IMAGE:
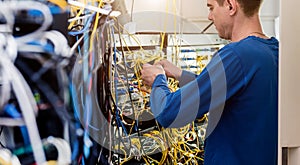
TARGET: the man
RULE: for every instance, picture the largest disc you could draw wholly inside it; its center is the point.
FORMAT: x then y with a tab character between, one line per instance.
238	88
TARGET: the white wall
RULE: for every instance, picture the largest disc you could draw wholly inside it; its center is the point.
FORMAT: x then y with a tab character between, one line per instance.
289	75
289	80
192	15
269	11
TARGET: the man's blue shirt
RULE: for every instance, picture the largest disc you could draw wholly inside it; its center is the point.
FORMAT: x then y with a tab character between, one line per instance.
239	89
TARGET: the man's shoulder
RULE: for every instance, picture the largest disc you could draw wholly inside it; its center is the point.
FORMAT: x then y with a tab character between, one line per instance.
239	44
249	44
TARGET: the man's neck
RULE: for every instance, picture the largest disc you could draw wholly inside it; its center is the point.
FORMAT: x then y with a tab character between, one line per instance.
245	27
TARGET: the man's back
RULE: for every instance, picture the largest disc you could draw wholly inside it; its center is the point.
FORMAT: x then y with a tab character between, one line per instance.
247	130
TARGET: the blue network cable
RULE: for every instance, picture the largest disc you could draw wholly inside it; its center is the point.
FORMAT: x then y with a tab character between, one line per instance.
11	111
118	119
85	28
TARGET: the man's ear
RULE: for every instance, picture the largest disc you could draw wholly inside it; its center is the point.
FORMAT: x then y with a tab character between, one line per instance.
232	6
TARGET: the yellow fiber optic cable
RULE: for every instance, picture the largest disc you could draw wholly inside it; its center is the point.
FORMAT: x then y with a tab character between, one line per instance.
95	27
62	4
73	22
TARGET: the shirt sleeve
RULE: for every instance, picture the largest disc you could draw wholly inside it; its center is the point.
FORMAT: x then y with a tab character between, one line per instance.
186	77
219	81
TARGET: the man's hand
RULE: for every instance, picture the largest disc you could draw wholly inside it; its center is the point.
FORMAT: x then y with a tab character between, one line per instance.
149	73
170	69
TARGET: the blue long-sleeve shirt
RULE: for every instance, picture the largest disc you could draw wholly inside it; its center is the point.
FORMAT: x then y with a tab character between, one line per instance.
239	89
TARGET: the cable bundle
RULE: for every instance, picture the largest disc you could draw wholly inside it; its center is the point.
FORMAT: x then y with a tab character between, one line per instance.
35	104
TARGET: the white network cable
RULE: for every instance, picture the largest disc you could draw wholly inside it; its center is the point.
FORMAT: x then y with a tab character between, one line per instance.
108	1
5	85
9	18
96	9
25	99
32	5
63	149
60	43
